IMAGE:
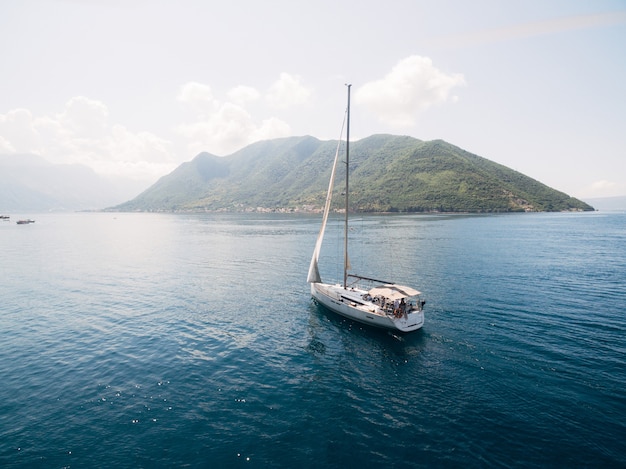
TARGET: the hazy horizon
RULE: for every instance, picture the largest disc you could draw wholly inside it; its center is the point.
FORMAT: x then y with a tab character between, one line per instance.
139	88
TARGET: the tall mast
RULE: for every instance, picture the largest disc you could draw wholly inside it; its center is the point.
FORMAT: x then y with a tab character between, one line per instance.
346	261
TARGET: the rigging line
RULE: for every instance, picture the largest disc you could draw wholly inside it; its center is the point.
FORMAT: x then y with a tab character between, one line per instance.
329	193
339	264
314	275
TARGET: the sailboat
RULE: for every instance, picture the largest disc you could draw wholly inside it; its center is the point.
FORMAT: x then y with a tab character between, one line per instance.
378	303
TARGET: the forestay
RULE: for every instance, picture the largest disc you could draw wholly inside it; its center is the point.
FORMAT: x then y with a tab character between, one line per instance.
314	273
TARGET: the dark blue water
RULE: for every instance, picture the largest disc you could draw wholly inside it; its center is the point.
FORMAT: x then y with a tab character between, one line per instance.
140	340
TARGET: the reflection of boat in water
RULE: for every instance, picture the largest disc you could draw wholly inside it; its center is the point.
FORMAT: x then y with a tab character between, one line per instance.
369	301
25	222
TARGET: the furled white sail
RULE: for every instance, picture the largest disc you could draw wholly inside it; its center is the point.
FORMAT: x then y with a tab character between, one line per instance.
314	273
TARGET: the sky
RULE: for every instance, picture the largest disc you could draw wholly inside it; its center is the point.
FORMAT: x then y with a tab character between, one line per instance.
134	88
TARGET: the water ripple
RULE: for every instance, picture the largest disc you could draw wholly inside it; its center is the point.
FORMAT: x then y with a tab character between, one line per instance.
151	340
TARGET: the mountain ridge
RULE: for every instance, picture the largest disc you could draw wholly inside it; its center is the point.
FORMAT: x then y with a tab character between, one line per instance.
30	183
388	173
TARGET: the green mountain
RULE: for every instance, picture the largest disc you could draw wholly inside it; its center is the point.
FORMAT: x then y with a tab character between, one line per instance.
387	174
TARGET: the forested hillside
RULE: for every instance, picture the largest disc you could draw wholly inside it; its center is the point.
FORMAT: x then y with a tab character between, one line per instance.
387	173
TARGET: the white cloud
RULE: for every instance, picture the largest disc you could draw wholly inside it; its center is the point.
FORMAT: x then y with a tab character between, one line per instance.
229	126
85	117
194	92
287	91
142	146
199	98
17	131
222	131
412	86
243	94
270	128
5	146
228	129
82	134
141	154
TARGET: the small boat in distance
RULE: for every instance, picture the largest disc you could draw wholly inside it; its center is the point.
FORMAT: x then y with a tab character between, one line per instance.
25	222
4	217
378	303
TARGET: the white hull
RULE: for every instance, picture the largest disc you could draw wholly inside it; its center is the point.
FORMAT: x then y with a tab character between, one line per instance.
350	303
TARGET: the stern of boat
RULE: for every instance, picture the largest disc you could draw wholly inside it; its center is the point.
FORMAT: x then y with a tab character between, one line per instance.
411	322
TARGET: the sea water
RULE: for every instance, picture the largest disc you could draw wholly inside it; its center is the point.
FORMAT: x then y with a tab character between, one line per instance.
170	340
